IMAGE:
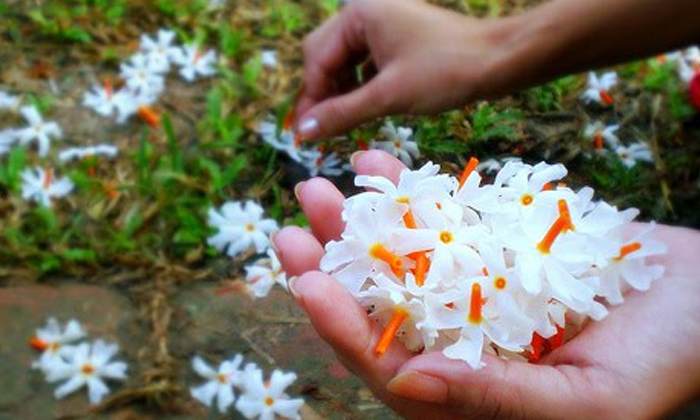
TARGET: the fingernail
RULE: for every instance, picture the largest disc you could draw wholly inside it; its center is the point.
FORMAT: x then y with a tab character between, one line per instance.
291	282
308	127
419	386
297	189
355	156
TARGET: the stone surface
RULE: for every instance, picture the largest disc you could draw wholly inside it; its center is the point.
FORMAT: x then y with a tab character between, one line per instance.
274	333
103	313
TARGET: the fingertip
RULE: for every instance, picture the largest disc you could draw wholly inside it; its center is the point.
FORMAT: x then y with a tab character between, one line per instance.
378	163
297	250
323	205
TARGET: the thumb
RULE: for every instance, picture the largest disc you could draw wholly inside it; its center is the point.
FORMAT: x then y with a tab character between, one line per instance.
339	114
502	389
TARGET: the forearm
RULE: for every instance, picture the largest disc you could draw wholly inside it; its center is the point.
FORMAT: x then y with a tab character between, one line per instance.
567	36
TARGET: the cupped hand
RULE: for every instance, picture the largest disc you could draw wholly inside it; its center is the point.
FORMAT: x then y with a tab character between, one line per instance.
416	58
640	362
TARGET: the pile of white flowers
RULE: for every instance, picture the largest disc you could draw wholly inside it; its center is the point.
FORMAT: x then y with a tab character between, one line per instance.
259	399
144	76
455	266
79	365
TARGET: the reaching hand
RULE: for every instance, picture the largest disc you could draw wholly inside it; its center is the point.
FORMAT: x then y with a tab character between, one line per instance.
418	59
640	362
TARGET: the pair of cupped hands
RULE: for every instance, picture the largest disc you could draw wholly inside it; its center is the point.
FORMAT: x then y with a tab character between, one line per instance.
642	361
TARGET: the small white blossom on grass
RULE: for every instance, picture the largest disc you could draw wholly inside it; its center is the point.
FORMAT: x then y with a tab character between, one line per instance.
268	58
194	62
262	275
160	51
8	101
265	400
54	341
637	152
286	141
598	89
398	142
142	76
220	382
316	162
38	129
106	150
601	135
104	101
40	185
87	366
240	226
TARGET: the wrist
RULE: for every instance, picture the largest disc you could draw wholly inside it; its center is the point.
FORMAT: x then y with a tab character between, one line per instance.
529	52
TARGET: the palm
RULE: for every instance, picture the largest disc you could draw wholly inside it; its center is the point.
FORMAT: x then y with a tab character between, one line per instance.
641	348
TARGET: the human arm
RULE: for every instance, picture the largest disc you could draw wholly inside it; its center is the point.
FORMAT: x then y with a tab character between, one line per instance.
425	59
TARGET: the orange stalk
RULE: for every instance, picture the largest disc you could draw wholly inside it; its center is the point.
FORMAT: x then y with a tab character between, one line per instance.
598	142
628	249
471	165
557	339
390	330
48	178
38	344
537	344
475	304
108	88
547	187
422	266
379	252
149	116
557	228
606	97
565	214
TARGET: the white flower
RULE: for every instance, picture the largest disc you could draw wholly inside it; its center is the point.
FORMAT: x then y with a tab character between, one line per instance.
398	142
159	52
268	58
107	150
220	382
8	101
264	401
7	139
637	152
104	101
142	76
194	62
240	227
316	162
598	89
600	134
375	243
262	275
629	267
286	141
39	130
54	341
87	365
41	186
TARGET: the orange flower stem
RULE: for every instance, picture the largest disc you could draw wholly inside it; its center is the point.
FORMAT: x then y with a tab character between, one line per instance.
390	330
475	304
471	165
